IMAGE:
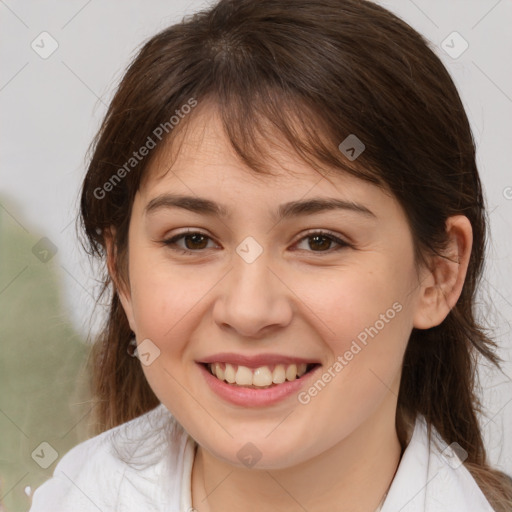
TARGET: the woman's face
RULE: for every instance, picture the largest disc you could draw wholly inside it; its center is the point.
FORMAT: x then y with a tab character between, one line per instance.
265	290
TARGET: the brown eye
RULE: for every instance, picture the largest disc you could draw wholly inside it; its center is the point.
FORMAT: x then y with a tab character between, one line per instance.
193	241
321	242
196	241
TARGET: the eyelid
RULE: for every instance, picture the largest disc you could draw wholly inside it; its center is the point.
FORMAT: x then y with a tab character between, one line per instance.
334	237
190	231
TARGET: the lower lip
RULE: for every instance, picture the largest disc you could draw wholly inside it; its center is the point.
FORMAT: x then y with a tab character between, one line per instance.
250	397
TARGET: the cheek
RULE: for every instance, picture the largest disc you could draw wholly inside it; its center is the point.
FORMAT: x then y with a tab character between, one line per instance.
166	305
359	304
164	298
365	318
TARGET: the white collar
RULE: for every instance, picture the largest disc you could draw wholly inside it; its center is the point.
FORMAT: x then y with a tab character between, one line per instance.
429	478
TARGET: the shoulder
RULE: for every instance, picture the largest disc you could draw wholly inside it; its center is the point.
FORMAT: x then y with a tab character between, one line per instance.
432	477
118	468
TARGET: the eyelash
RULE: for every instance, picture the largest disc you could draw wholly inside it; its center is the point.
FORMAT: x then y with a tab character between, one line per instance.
330	236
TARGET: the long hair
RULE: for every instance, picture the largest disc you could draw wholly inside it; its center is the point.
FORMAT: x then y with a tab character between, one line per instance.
316	71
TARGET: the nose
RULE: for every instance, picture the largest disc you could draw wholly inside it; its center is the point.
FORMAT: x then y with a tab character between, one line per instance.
253	300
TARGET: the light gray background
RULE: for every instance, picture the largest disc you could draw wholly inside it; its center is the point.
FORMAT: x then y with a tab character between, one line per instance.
51	109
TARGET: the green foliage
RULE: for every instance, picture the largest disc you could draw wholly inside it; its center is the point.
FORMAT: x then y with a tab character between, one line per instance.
43	387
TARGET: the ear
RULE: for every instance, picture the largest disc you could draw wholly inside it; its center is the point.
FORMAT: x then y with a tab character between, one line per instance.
119	286
441	285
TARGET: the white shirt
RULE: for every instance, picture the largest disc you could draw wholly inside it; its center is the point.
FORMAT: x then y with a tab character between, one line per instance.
145	465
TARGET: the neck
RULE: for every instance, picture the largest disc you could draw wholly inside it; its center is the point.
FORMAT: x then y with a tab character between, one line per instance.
356	473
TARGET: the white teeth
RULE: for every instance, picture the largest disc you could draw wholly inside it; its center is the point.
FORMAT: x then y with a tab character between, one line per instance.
243	376
229	374
291	372
279	374
219	371
262	377
259	377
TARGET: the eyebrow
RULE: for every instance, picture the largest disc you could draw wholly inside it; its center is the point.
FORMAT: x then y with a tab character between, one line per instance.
285	210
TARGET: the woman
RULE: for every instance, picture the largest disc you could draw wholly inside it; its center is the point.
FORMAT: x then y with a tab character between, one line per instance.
286	197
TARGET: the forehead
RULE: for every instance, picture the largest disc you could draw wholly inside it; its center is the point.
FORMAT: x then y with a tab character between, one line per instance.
200	160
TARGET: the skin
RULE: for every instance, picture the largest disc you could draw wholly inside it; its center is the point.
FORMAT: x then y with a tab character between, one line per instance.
297	298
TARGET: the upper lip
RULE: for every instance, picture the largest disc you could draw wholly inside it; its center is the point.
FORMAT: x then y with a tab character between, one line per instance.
255	361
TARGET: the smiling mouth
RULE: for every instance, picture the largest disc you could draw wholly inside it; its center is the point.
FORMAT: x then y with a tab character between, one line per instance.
258	378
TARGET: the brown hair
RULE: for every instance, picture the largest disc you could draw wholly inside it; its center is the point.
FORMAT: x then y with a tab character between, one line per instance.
316	71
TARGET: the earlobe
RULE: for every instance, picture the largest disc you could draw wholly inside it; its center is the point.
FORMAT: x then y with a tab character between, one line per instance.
441	286
123	294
